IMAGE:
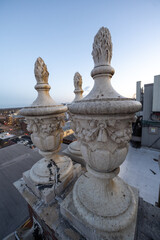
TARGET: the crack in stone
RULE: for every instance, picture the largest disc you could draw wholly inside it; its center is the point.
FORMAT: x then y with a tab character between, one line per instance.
43	186
49	166
57	177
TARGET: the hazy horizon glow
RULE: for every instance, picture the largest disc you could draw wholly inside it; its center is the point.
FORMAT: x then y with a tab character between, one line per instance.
62	33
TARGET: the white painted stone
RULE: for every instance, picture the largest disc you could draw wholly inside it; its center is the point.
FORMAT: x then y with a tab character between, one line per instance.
43	169
48	215
74	148
76	157
103	125
78	87
90	232
45	120
47	193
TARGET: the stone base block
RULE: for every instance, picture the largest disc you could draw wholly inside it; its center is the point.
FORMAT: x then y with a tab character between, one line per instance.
74	157
48	192
69	212
48	216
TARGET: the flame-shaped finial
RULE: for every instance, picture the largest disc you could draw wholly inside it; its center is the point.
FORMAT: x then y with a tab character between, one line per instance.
78	86
77	81
102	47
40	71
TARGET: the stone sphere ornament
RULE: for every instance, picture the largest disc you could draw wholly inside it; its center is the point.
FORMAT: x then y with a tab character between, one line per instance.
44	120
103	125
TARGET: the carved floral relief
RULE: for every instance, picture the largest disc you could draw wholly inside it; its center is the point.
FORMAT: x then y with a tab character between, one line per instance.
45	127
101	130
47	134
104	142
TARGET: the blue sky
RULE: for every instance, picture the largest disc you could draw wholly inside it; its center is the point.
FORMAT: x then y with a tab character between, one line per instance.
62	33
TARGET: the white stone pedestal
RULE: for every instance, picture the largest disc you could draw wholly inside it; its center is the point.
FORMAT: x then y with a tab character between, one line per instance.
48	216
48	192
102	206
77	220
45	120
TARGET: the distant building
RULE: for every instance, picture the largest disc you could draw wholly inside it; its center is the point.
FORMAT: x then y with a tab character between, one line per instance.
6	111
6	139
150	100
68	135
2	119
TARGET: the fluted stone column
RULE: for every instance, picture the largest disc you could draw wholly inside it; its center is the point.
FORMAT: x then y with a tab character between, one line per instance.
74	148
45	120
101	205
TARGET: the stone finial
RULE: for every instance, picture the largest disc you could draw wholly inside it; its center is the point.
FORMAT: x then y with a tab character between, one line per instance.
78	87
40	71
102	47
103	125
42	86
74	148
45	120
77	81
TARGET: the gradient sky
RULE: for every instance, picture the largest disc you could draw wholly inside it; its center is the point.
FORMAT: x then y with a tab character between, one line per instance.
62	33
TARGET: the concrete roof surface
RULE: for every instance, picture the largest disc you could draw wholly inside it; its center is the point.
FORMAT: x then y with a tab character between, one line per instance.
141	170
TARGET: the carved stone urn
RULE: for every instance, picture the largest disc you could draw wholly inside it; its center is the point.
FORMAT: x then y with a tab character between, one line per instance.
74	148
103	125
45	120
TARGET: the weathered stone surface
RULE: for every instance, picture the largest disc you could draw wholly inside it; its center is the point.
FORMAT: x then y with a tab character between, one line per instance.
48	215
47	193
90	232
102	122
74	148
16	159
74	154
45	120
78	87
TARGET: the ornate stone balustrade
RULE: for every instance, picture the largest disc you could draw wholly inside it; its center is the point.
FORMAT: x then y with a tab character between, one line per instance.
101	205
45	120
74	148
